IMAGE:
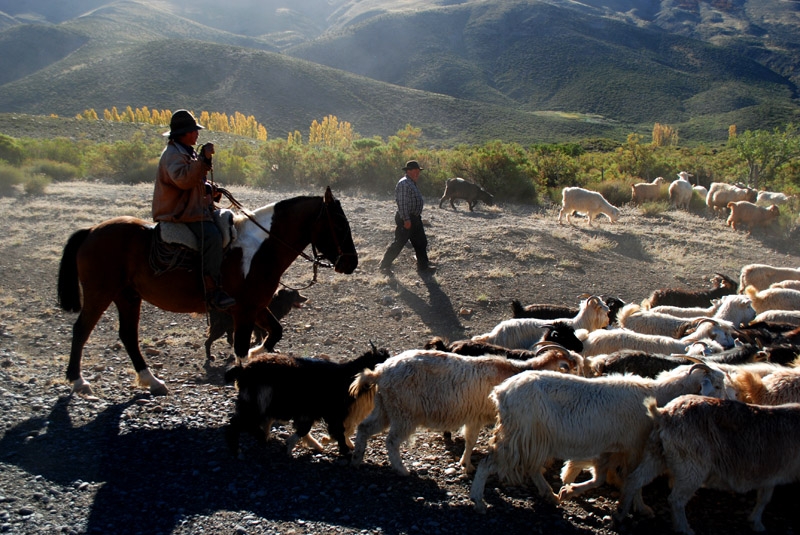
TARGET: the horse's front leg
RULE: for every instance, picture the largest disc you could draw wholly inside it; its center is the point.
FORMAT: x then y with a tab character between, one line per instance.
129	308
242	333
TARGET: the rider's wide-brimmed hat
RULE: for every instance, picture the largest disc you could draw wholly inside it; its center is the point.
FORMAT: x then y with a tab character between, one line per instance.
182	122
412	164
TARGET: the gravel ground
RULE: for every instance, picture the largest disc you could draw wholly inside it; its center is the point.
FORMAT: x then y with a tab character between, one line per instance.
124	462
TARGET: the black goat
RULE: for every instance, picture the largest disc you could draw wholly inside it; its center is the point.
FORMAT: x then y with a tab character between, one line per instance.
678	297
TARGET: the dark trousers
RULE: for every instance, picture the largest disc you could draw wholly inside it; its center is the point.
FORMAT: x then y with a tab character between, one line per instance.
210	239
401	236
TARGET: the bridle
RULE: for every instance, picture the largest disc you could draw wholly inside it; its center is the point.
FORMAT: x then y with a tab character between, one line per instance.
317	260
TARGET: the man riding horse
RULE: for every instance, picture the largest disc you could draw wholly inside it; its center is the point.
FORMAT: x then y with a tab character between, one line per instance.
183	195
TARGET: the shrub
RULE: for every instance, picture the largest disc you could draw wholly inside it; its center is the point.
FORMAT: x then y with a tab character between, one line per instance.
616	192
10	150
654	208
36	183
9	177
57	171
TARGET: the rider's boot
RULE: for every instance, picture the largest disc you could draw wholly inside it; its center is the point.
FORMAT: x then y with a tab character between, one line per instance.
216	297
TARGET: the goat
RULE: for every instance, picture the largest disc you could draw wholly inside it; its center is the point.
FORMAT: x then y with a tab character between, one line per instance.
718	444
720	285
608	341
766	198
522	333
547	311
458	188
542	415
647	191
776	388
221	323
733	310
680	191
791	317
747	214
586	202
280	387
557	332
761	276
773	299
441	391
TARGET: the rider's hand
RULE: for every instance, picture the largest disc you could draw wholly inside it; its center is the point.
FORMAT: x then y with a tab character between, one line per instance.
207	150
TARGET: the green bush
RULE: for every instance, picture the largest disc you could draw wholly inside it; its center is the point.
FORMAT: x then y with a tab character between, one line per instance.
10	150
9	177
57	171
616	192
36	184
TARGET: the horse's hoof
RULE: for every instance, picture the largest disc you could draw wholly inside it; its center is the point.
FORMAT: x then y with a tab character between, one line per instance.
159	390
81	386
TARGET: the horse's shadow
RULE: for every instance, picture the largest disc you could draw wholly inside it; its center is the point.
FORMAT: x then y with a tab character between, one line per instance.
166	476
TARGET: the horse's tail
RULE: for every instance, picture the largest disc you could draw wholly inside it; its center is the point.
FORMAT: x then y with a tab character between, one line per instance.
69	292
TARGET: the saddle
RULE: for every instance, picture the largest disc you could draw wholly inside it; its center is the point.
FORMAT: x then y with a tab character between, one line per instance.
175	246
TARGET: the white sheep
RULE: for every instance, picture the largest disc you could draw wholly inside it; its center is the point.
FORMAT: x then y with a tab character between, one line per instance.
522	333
720	194
680	191
439	391
766	198
542	416
749	215
761	276
647	191
773	299
717	444
586	202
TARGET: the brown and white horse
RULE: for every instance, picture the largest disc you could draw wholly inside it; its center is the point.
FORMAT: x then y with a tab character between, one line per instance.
110	264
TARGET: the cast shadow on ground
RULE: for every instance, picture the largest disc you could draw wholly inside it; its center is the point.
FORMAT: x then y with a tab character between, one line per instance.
437	312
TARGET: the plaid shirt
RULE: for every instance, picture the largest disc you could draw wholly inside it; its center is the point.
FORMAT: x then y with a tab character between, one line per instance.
409	199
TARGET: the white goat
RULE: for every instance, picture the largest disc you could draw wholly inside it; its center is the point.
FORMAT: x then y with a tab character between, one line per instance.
779	387
680	191
608	341
790	317
586	202
773	299
787	285
761	276
733	310
542	415
766	198
702	191
647	191
522	333
439	391
696	441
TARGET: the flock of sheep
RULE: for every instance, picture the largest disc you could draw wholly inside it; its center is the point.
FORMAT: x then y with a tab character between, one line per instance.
748	208
701	385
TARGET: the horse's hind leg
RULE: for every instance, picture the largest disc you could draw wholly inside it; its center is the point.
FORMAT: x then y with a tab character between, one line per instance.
129	307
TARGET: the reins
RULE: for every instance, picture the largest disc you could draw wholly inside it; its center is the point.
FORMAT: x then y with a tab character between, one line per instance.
316	260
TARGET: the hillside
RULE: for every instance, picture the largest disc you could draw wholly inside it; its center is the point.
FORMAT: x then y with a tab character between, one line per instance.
471	71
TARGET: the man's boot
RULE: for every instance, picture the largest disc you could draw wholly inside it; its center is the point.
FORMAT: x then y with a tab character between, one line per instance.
216	297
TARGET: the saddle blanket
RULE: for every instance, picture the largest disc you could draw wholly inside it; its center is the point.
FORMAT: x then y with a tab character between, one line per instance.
178	233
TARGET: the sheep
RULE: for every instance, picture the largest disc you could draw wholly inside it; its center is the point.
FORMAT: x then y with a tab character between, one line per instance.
438	390
747	214
221	323
720	285
521	333
766	198
542	415
458	188
680	191
761	276
773	299
720	194
701	191
647	191
586	202
717	444
791	317
607	341
280	387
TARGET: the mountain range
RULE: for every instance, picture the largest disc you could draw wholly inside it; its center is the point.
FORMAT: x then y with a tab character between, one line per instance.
464	71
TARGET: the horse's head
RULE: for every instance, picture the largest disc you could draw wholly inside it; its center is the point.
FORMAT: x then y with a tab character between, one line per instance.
332	236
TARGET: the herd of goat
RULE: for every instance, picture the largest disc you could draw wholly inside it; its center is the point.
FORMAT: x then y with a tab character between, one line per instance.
702	386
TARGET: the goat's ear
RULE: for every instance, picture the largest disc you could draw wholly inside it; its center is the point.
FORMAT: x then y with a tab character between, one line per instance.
328	195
